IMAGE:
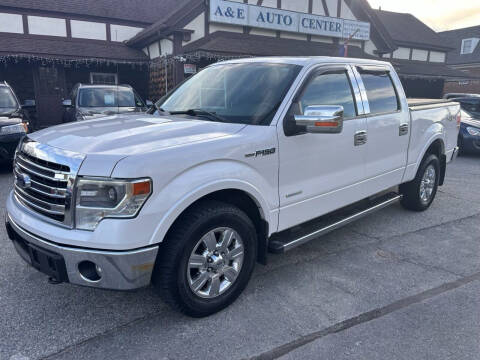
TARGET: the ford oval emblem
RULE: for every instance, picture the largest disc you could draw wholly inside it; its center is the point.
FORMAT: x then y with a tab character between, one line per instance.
24	181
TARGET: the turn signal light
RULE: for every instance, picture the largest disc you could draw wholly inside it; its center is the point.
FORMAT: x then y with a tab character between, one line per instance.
326	124
141	188
459	119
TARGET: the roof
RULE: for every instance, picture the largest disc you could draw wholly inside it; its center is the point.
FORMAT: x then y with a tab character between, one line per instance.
28	45
454	38
180	14
304	60
407	30
229	43
142	11
409	68
378	31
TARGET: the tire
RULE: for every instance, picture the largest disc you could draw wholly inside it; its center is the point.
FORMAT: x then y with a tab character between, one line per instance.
413	197
177	280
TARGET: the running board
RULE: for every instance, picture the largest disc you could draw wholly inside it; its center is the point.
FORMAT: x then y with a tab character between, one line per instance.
299	235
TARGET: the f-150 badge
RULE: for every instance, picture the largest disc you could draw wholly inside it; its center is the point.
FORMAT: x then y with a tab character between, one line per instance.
261	153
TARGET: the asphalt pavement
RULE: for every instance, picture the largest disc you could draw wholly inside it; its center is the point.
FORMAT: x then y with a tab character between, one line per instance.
394	285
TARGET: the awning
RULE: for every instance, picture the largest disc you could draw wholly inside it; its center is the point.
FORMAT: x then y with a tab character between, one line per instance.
30	47
427	70
229	43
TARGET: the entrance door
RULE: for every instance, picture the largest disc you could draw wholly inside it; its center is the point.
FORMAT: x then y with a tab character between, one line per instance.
49	92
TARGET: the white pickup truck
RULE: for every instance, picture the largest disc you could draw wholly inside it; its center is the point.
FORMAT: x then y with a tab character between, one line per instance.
246	157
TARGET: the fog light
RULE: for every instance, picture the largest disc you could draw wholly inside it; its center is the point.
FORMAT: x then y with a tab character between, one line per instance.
90	271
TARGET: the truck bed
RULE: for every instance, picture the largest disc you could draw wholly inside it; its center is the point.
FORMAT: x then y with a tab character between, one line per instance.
415	104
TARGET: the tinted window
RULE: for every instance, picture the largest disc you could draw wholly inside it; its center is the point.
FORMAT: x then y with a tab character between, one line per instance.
246	93
330	89
380	92
471	106
108	97
6	98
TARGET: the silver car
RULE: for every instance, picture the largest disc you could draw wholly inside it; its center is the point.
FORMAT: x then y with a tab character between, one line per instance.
92	101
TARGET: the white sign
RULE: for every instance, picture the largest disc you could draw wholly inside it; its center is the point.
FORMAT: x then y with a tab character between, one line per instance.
228	12
189	68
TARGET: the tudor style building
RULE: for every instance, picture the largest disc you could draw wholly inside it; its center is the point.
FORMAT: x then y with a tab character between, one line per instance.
48	46
464	57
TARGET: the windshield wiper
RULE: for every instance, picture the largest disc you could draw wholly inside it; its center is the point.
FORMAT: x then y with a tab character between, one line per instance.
199	112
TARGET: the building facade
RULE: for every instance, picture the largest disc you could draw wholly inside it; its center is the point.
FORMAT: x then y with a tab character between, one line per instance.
46	47
464	57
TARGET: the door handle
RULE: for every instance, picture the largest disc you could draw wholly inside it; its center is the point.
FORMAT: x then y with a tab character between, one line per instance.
403	130
360	138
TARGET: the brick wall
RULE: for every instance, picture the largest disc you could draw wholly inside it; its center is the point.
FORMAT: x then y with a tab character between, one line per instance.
467	86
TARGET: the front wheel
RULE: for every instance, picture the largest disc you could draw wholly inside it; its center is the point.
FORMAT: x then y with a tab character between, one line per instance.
207	259
419	193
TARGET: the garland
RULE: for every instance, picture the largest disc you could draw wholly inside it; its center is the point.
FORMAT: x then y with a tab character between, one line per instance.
45	60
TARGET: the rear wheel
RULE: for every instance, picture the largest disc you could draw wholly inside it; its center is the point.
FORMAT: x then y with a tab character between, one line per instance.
207	259
419	194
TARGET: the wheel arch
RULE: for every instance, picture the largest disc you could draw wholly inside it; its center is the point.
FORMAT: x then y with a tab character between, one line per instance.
248	200
437	147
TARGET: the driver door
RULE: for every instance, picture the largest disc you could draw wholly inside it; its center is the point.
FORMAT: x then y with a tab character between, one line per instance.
321	172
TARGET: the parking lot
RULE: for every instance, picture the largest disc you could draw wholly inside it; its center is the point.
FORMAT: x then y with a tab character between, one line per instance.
394	285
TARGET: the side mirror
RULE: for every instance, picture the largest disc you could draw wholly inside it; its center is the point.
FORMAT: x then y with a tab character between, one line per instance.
29	103
321	119
149	103
67	102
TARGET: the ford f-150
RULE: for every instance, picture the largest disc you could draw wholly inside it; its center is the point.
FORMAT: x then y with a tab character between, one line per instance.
244	158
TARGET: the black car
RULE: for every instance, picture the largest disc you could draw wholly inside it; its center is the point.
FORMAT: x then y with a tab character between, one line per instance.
469	136
13	122
91	101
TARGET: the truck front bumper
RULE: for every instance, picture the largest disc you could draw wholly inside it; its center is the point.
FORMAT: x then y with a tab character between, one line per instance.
118	270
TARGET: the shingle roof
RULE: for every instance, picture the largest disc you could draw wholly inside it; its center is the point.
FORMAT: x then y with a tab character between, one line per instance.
165	24
68	48
454	38
406	29
144	11
424	69
229	43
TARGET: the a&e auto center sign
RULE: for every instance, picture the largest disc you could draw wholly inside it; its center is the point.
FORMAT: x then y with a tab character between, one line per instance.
234	13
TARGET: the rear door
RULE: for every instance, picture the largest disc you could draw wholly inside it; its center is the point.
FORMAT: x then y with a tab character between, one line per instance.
321	172
388	127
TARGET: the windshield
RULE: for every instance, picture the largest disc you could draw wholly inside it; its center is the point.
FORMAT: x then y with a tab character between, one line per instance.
7	100
472	107
108	97
247	93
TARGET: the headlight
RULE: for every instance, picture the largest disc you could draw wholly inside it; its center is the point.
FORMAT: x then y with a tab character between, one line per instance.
14	129
98	199
473	131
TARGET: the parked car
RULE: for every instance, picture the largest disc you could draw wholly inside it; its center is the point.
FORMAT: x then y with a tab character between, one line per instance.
13	122
92	101
451	96
237	158
469	136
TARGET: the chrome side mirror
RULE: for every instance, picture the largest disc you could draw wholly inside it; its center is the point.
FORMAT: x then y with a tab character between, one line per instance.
321	119
67	102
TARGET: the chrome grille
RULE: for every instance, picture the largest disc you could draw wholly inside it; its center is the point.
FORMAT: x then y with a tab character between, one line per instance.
44	179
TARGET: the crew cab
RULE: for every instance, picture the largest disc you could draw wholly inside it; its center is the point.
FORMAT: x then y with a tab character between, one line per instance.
244	158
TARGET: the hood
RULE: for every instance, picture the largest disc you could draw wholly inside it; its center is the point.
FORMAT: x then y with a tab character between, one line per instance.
124	135
471	122
95	112
7	120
